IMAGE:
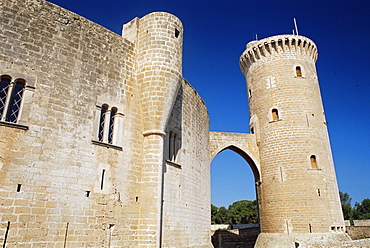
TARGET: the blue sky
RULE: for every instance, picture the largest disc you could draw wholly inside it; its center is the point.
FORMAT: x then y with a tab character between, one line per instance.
216	32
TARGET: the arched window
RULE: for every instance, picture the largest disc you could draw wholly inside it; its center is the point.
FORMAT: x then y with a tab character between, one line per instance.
313	162
275	115
11	95
103	112
4	89
15	100
172	146
108	121
298	71
111	124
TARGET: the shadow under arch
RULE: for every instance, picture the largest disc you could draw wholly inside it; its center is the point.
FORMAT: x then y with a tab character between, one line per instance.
247	158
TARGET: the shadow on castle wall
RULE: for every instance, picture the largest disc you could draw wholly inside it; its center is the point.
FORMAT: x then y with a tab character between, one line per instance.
236	238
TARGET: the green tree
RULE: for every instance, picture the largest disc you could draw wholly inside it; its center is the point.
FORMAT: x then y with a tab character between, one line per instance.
218	215
222	215
214	211
363	209
243	212
348	211
344	198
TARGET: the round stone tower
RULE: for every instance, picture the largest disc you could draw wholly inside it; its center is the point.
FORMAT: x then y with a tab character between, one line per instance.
298	192
158	40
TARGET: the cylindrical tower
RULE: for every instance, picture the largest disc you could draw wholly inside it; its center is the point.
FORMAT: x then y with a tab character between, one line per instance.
298	191
158	40
159	67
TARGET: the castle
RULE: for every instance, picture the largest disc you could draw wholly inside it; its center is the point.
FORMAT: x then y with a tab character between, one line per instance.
104	144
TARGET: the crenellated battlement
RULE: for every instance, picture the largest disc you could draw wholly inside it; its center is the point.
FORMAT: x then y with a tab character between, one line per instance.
276	46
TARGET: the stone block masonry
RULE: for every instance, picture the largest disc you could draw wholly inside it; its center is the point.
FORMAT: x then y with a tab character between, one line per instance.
298	195
104	144
84	162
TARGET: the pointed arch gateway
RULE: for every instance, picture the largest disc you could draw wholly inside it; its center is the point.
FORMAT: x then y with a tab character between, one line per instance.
243	144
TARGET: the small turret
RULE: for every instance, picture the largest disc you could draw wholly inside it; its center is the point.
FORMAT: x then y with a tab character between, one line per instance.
158	38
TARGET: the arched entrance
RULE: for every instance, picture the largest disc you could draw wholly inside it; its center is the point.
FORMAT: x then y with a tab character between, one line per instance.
227	141
244	145
232	179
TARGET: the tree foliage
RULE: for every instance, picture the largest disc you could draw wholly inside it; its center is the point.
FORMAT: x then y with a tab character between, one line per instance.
246	212
361	211
239	212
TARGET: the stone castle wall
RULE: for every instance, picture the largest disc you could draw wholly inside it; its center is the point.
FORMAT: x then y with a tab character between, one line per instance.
110	146
61	185
186	178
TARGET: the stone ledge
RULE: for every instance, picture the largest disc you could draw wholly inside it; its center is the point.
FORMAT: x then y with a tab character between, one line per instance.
107	145
13	125
174	164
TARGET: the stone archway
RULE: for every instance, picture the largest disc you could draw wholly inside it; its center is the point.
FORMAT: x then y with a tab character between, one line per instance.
243	144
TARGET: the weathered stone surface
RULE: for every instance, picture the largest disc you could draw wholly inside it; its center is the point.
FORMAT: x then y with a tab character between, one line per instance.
60	185
111	147
298	193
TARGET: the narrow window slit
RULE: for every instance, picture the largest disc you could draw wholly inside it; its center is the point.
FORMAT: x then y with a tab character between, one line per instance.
275	115
313	162
298	71
308	123
6	234
136	199
102	179
87	193
19	186
177	33
66	234
281	174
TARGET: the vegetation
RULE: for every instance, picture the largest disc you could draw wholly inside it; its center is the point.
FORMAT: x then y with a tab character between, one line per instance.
239	212
361	211
246	212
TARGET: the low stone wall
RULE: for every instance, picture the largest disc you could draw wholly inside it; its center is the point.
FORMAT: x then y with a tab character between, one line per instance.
246	236
343	244
358	232
361	223
358	229
241	238
357	222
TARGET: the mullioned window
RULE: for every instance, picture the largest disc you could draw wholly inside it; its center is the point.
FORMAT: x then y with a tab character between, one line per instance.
15	101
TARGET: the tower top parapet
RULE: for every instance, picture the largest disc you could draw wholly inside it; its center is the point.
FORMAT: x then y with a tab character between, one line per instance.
278	46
